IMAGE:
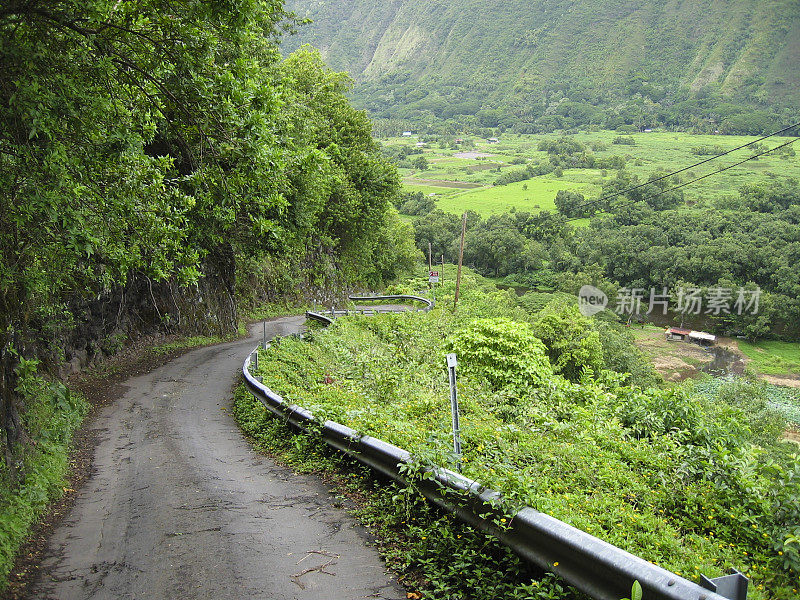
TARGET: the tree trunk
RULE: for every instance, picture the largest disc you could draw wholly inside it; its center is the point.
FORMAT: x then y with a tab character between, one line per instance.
9	414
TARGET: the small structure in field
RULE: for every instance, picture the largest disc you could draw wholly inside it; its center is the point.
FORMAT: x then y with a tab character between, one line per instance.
689	335
407	134
493	140
702	338
677	334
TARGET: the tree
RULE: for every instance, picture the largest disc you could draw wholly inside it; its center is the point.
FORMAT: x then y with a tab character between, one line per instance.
659	195
416	203
341	187
495	246
439	229
154	141
420	163
573	344
572	204
115	134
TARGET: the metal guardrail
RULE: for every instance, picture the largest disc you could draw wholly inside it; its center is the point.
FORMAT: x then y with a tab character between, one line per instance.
321	317
429	304
327	317
595	567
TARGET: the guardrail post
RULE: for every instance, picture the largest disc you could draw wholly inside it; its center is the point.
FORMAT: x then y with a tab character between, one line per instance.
733	586
264	336
451	369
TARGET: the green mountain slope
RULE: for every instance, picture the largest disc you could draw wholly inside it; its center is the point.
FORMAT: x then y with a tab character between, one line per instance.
559	62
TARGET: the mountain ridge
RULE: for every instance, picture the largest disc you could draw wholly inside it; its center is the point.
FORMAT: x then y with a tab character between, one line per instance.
436	59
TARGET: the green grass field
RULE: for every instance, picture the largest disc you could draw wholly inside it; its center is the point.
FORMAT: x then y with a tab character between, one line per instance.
430	189
653	152
773	358
532	195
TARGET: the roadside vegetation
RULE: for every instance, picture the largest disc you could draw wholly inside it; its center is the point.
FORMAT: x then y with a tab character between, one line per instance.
428	550
52	414
692	478
163	169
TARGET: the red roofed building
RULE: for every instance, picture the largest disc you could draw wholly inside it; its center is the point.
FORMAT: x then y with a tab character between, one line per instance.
676	333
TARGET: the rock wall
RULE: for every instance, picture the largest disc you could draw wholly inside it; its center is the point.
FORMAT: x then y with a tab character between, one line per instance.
101	326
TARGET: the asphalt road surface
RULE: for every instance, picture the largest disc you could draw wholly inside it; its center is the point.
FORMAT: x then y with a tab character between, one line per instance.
178	506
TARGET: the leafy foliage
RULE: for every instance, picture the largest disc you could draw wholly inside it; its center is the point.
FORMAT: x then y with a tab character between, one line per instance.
573	344
647	239
159	140
52	414
505	352
687	479
163	142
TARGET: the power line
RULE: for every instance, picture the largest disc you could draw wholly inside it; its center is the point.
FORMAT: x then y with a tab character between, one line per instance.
754	156
673	173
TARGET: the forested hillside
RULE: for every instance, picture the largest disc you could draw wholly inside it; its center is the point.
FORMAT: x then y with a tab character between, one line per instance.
549	64
160	162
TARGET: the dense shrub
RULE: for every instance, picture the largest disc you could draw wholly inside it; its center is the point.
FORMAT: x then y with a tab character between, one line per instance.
683	477
505	352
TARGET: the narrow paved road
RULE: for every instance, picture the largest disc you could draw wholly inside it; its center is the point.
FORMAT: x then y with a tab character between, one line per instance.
179	506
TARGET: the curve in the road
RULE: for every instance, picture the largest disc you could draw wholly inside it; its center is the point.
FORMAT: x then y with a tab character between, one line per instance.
180	506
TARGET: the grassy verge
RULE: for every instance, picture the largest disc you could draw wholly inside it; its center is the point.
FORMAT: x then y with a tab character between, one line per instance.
186	343
53	414
435	556
276	309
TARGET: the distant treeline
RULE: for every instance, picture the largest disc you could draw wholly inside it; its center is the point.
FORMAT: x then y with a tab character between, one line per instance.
642	240
706	115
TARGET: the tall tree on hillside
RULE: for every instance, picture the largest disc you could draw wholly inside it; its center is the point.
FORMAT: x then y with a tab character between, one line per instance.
148	139
110	112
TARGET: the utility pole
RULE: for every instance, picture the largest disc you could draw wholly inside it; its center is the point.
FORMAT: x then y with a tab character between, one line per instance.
430	258
460	260
431	285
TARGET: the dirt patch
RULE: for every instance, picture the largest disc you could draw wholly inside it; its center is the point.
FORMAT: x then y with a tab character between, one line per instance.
472	155
675	361
673	368
784	380
484	167
792	435
460	185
